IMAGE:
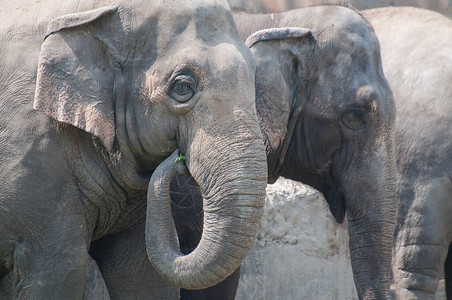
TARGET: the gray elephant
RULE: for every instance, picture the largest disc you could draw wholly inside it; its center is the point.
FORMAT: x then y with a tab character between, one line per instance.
416	56
327	115
89	116
417	59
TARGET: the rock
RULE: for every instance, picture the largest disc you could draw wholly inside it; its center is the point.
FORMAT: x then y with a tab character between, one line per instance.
301	252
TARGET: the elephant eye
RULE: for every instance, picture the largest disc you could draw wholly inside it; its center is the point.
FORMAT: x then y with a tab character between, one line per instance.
354	118
183	88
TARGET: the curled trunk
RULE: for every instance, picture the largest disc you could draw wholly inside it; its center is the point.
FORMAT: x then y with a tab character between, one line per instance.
232	211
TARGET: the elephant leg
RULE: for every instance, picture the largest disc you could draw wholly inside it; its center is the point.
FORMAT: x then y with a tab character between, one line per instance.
448	273
52	266
95	288
418	278
423	242
188	218
125	267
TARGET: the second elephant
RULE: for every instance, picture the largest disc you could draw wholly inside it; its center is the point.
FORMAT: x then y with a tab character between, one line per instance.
327	115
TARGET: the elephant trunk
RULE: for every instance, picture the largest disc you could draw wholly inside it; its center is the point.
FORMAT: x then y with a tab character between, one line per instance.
233	198
371	212
370	240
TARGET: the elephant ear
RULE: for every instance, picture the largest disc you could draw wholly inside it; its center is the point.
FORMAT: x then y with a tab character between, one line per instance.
281	33
281	55
75	76
292	40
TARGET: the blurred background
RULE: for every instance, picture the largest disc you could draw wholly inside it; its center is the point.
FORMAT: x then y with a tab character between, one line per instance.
269	6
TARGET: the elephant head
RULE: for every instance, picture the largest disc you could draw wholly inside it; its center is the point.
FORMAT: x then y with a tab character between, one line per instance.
145	79
327	116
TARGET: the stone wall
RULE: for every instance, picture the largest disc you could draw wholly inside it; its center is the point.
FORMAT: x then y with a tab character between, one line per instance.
300	252
266	6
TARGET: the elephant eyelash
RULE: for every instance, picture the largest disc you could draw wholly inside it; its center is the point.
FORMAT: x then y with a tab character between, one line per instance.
183	88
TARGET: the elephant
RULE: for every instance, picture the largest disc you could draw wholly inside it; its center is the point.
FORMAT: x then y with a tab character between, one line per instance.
327	115
101	104
417	61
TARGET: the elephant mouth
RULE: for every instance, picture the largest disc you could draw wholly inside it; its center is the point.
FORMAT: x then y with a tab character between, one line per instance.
336	202
333	194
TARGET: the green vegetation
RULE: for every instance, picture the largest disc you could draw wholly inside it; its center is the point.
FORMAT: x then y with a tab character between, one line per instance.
180	158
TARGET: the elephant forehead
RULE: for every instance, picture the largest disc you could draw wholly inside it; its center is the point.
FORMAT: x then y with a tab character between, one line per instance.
175	7
211	23
208	16
214	21
185	32
350	62
350	49
152	27
341	31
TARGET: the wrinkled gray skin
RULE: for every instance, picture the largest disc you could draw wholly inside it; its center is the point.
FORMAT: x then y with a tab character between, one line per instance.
417	58
327	115
87	117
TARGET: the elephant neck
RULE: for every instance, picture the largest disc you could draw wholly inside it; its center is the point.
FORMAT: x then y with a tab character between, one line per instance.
281	157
